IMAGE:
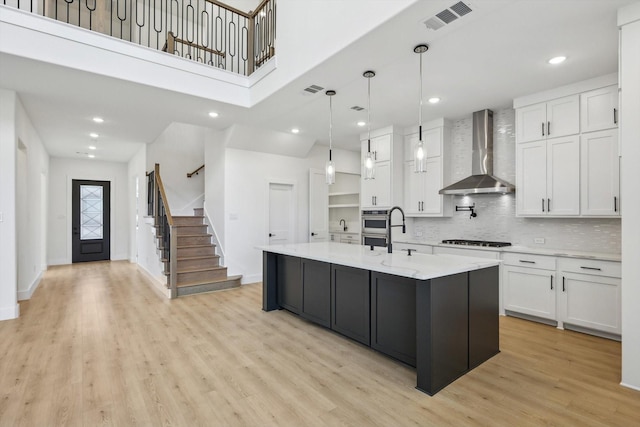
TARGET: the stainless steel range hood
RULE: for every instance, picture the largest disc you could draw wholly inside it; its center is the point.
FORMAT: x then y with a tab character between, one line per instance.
482	180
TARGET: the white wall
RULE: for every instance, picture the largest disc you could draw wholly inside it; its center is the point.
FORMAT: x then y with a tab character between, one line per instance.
180	150
247	177
61	172
9	308
32	202
496	218
629	19
214	176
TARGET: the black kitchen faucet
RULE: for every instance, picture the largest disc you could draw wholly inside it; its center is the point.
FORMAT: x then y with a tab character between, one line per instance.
389	226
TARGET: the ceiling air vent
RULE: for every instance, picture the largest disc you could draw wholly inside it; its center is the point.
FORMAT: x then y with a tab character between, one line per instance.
447	16
357	108
313	89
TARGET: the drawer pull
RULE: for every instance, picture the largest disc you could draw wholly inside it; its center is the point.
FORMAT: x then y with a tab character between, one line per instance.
552	282
591	268
563	288
527	262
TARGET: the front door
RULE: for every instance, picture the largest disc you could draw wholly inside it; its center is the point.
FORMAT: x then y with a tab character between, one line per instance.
91	220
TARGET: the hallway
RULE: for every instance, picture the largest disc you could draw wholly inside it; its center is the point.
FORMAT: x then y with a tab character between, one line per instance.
96	346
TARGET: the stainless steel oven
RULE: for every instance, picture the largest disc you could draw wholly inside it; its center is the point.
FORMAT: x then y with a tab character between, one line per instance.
375	222
374	240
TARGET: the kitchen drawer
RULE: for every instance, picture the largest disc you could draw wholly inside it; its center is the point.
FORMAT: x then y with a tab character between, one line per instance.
531	261
589	266
349	238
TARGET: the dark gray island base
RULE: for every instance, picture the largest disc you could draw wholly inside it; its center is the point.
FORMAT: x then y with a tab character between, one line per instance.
443	326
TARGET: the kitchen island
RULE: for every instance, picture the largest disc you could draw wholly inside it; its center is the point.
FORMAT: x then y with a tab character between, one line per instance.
437	313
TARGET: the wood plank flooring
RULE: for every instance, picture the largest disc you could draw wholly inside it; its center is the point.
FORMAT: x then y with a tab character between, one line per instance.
96	346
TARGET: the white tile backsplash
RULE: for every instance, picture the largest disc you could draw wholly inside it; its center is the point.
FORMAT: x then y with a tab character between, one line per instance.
496	218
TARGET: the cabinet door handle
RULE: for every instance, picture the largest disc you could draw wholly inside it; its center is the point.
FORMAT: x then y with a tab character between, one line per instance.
271	235
542	205
615	203
563	287
552	282
548	205
591	268
313	234
615	116
527	261
542	128
548	128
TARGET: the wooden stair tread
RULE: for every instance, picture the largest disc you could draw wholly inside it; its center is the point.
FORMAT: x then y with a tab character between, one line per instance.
194	235
187	216
198	270
189	258
206	282
195	246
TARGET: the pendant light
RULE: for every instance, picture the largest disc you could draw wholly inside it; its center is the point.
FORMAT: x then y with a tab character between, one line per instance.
420	152
369	160
330	169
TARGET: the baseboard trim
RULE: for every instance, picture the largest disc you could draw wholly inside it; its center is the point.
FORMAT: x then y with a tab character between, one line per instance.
158	286
8	313
632	387
253	278
26	294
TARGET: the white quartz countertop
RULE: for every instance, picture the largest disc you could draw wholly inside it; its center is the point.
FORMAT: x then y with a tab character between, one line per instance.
417	266
524	250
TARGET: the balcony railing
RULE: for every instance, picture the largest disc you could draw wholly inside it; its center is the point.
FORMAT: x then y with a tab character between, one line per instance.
206	31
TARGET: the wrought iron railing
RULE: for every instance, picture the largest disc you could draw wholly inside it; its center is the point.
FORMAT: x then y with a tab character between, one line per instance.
158	206
206	31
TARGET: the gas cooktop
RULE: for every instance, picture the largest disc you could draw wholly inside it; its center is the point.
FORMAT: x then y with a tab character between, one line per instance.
476	243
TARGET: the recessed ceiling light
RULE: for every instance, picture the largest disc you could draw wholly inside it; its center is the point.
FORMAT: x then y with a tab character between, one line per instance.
213	114
557	60
361	123
434	100
98	119
93	135
92	147
295	130
91	156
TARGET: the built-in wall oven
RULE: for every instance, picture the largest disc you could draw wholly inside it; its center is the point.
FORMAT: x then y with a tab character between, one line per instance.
374	227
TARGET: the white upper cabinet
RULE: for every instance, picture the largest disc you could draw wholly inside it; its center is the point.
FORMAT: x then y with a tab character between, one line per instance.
567	160
556	118
548	177
599	109
385	190
421	190
600	174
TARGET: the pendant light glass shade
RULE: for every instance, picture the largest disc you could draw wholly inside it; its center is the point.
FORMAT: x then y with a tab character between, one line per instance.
369	158
330	168
420	151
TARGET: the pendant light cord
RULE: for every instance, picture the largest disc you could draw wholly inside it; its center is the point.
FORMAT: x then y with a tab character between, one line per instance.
369	115
420	111
330	125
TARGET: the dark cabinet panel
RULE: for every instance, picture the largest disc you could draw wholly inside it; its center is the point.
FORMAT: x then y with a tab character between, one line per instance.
393	316
316	292
350	303
484	341
289	283
442	328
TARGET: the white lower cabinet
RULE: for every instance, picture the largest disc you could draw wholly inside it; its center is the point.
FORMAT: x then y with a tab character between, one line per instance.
580	294
528	285
590	295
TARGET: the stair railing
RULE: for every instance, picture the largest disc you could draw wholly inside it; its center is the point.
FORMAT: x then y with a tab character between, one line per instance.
207	31
164	225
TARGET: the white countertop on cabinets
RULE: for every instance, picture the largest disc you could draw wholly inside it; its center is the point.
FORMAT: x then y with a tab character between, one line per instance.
523	249
416	266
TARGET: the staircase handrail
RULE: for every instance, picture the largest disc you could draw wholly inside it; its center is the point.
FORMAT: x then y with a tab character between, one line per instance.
195	172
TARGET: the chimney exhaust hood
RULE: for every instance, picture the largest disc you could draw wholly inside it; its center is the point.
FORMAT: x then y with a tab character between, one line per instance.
482	180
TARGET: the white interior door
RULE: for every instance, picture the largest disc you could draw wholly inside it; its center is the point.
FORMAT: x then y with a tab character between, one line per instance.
318	206
281	214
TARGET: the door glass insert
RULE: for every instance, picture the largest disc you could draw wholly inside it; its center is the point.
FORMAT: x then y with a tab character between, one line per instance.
91	212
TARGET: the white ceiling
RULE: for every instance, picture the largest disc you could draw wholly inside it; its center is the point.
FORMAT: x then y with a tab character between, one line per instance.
483	60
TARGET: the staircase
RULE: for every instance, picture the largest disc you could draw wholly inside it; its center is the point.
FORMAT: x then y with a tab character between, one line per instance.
198	267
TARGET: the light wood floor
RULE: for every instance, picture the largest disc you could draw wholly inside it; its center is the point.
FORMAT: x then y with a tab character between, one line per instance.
96	346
